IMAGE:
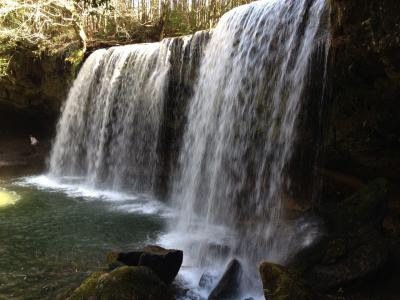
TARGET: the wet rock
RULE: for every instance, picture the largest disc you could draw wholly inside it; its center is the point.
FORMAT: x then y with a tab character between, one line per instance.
279	283
124	283
164	262
228	285
128	258
114	265
218	250
181	291
206	280
88	287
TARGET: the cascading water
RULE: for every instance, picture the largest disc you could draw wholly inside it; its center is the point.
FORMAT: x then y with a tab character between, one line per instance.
241	133
109	129
109	132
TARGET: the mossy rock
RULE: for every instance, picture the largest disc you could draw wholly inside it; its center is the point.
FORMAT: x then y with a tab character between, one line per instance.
124	283
88	287
164	262
280	284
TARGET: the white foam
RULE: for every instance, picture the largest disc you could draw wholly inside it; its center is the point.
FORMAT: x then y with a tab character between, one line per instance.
146	207
71	186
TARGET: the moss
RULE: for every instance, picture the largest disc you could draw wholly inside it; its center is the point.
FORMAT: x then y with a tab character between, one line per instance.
88	287
280	284
112	257
4	65
124	283
75	59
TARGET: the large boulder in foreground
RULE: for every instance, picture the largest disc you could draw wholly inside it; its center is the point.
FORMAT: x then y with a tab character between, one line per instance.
124	283
280	284
228	285
164	262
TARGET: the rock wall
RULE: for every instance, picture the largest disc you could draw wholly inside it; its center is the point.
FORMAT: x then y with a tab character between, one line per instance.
33	91
360	142
363	128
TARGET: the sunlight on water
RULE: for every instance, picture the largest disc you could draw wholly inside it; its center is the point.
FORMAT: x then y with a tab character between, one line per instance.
123	202
7	197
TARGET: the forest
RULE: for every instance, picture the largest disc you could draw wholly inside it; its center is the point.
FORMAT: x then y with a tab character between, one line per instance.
56	22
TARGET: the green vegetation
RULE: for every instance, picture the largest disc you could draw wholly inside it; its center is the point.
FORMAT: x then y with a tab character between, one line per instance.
4	65
123	283
71	26
53	23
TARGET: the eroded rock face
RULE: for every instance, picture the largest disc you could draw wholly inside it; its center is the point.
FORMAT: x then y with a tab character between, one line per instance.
363	128
36	83
352	247
124	283
362	136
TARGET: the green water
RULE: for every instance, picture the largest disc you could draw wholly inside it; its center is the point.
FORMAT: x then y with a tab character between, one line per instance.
50	241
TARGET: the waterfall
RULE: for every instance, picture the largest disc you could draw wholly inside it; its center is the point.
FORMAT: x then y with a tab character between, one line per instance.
241	133
232	117
110	131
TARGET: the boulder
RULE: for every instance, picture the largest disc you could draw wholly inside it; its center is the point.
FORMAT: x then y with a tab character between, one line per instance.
164	262
206	280
124	283
228	285
280	284
127	258
88	289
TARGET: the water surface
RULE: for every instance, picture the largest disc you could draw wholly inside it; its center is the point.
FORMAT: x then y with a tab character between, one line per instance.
53	235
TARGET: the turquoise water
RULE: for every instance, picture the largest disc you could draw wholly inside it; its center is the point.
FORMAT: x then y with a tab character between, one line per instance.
56	234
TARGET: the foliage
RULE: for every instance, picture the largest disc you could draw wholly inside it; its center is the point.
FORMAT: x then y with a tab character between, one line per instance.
53	25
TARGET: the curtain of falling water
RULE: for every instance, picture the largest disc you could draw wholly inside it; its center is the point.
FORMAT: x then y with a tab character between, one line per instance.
109	134
109	128
241	132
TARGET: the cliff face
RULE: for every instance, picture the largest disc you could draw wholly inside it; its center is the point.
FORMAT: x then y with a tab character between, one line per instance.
361	142
363	135
33	91
31	95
